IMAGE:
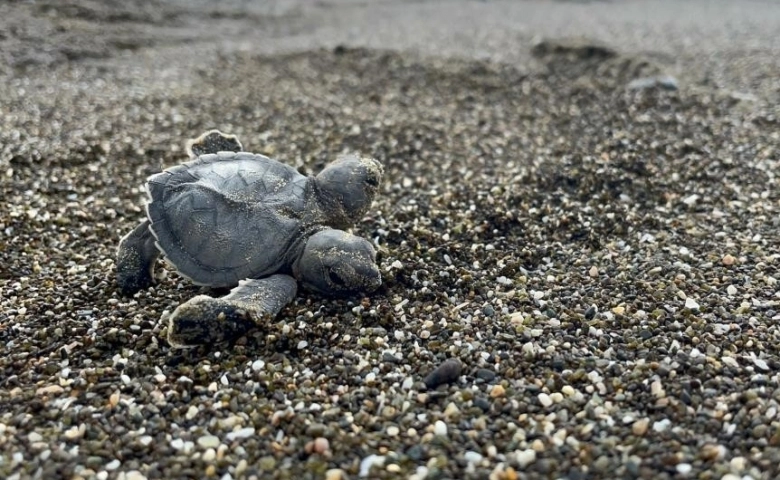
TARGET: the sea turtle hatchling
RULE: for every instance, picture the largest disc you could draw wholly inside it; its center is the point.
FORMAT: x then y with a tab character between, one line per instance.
229	218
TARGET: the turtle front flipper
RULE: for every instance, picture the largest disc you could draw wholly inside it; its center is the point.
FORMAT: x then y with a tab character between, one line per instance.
213	141
135	260
206	320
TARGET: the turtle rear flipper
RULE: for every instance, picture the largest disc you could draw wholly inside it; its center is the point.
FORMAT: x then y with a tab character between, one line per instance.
213	141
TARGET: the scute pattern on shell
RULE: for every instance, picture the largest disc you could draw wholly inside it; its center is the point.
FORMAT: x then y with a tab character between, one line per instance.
225	217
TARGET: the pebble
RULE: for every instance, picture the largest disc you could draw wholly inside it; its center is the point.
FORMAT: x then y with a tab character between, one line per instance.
497	391
691	304
525	457
440	429
447	372
639	427
369	462
472	457
240	433
545	399
208	441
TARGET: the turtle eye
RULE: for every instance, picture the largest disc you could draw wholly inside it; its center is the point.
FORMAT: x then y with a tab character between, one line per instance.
372	180
335	279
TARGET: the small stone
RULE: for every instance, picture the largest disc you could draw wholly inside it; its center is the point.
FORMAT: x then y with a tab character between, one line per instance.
545	400
761	364
34	437
728	260
486	374
497	391
192	412
594	271
738	464
525	457
447	372
639	427
684	468
691	304
712	452
258	365
240	433
113	464
131	475
393	431
50	389
472	457
335	474
440	428
370	461
208	441
320	445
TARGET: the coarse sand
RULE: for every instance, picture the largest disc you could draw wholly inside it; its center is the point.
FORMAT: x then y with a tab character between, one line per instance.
579	239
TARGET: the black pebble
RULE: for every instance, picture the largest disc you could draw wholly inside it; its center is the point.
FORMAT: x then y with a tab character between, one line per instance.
486	374
447	372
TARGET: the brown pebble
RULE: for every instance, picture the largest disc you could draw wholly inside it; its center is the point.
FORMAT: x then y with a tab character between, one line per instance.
319	445
447	372
639	427
497	391
728	260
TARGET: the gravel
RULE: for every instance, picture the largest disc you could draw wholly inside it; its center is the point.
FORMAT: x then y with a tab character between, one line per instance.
589	269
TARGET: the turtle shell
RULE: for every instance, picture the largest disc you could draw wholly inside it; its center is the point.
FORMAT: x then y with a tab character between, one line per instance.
226	217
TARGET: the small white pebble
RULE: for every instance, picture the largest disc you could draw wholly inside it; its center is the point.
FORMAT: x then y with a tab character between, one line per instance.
440	428
208	441
302	344
370	461
761	364
472	457
545	399
113	464
684	468
258	365
393	431
691	304
661	425
240	433
525	457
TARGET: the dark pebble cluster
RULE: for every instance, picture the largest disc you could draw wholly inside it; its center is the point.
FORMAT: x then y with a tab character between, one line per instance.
580	271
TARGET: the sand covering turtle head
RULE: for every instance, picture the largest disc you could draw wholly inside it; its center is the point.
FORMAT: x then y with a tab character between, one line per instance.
228	218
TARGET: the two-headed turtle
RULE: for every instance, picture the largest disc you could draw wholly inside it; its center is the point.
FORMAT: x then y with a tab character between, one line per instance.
229	218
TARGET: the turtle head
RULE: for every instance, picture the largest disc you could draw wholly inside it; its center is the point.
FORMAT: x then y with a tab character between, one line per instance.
349	185
335	262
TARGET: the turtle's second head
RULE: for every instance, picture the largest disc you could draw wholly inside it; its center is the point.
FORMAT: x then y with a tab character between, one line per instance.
350	184
335	262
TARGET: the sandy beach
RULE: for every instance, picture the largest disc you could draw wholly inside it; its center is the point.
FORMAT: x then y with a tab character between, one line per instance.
579	222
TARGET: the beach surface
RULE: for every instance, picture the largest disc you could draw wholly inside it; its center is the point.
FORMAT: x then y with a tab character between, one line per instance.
578	228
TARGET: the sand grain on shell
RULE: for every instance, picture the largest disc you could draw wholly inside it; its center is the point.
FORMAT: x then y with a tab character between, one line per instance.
551	231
